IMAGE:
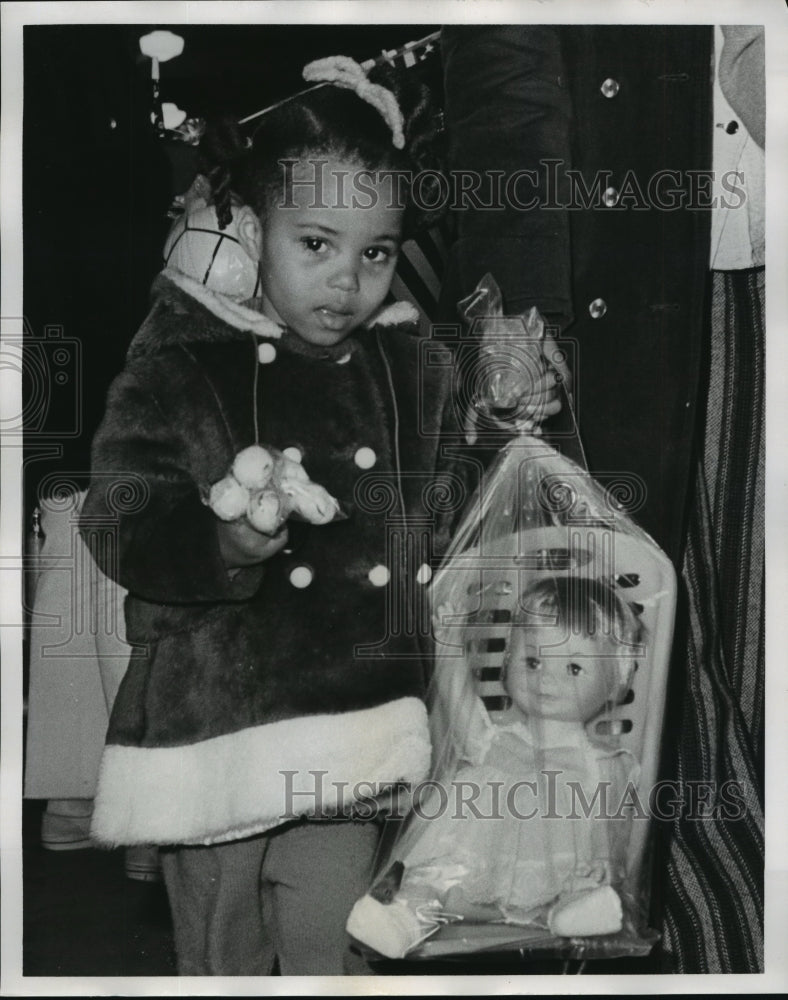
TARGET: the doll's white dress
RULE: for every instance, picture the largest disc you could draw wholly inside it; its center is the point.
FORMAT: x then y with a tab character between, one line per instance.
524	826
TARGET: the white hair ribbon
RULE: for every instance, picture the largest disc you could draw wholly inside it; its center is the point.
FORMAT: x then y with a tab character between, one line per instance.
342	71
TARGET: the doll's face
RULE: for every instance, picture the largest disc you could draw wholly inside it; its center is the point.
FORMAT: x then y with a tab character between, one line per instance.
551	676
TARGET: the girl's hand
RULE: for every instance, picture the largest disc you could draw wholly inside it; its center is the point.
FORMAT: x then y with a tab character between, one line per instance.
242	545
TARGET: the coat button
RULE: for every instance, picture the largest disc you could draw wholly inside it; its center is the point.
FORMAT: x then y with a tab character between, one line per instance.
301	577
293	453
266	353
610	197
379	576
365	458
344	359
424	574
610	87
597	308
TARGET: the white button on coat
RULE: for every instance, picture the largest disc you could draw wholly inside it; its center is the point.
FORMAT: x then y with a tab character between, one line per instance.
610	87
597	308
379	576
424	574
301	577
266	353
365	458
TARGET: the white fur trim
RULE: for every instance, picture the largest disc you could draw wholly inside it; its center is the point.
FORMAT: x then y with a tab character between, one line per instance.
234	786
226	309
243	318
396	313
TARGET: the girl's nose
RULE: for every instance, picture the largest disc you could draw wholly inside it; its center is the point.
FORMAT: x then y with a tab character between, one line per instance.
345	277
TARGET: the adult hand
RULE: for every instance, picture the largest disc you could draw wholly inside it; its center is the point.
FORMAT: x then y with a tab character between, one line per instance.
547	394
524	384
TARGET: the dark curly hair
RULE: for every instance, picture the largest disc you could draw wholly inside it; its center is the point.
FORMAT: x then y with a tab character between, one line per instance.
331	122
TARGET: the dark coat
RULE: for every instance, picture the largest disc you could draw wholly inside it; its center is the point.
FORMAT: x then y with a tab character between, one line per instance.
240	678
626	279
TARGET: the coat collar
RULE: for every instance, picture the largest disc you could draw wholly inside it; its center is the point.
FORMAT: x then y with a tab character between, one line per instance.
395	314
235	314
179	293
245	317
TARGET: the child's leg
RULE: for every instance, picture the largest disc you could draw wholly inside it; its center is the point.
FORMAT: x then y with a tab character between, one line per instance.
313	874
65	824
216	912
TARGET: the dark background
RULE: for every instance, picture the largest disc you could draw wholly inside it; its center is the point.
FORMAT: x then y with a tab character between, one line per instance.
97	183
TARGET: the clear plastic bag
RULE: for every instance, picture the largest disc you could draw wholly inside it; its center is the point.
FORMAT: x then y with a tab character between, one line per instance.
553	620
509	364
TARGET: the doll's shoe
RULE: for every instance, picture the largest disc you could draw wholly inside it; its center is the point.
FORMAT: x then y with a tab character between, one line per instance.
597	911
142	864
63	832
391	929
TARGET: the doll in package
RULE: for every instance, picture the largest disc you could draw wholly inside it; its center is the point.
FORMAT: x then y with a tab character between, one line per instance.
553	617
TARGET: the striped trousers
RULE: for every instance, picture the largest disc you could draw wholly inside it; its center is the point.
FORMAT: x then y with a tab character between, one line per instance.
713	893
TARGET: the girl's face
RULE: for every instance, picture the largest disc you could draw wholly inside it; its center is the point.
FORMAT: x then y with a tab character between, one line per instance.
554	677
327	263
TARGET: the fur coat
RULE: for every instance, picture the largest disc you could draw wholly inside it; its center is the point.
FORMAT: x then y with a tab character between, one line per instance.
294	685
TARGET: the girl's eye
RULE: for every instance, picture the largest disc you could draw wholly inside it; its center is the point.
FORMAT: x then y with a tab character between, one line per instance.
378	255
574	669
314	243
532	663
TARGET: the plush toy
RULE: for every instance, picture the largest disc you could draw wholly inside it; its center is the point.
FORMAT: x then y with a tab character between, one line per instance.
268	487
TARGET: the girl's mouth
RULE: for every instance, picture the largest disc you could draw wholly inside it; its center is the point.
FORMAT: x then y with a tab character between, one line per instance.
334	319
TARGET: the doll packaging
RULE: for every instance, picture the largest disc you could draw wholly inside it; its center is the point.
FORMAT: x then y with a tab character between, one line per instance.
553	618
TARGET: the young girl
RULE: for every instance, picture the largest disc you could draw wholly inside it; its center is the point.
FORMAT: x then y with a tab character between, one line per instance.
531	834
277	679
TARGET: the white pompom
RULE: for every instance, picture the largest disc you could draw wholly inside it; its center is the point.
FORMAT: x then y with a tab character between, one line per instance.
253	467
310	500
265	511
290	469
228	499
